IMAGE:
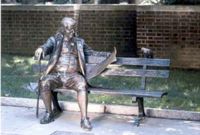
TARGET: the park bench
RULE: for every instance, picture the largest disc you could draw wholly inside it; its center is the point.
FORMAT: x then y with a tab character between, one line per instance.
137	67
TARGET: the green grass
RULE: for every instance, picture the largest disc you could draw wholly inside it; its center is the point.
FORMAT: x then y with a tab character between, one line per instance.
15	73
183	86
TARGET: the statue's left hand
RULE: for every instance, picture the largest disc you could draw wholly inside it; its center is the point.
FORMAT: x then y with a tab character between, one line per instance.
39	53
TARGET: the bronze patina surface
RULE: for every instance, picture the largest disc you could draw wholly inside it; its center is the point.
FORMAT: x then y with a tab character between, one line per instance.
66	68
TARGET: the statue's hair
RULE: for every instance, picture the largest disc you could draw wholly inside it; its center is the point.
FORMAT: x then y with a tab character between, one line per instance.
68	20
65	20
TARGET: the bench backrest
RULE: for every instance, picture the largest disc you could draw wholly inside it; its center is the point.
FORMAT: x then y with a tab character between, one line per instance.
137	67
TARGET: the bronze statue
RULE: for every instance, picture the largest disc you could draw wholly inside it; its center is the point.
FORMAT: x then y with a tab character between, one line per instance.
66	68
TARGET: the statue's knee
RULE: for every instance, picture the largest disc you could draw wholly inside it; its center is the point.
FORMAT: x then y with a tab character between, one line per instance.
82	86
45	86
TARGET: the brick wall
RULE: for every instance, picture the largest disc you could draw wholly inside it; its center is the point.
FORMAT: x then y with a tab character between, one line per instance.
170	31
25	28
105	29
171	34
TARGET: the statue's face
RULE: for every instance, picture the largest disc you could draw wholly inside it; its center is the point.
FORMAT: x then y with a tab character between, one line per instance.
69	27
69	30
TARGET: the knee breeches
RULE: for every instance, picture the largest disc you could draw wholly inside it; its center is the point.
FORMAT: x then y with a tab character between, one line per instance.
72	81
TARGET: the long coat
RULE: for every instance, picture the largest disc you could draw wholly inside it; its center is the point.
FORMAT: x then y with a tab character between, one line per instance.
53	48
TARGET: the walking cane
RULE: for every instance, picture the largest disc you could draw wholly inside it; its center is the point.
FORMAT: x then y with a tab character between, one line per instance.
38	95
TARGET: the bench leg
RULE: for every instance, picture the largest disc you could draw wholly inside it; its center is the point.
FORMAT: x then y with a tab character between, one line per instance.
140	106
141	113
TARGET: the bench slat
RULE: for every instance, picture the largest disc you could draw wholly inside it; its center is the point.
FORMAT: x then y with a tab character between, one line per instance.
93	60
121	71
132	61
136	93
136	72
143	61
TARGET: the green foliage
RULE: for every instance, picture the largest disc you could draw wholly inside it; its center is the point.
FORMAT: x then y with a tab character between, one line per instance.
64	1
183	86
144	2
171	2
16	72
183	89
109	1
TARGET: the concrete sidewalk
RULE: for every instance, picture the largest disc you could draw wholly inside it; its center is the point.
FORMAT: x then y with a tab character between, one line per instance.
22	121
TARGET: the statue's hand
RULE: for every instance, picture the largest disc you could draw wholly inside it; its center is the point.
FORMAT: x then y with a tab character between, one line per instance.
42	77
39	54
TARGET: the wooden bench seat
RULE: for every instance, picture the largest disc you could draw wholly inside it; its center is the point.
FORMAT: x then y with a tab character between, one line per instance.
109	91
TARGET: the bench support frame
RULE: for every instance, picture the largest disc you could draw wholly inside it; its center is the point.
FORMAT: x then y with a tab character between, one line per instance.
141	112
140	101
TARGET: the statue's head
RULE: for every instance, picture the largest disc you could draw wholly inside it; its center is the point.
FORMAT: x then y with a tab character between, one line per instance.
68	25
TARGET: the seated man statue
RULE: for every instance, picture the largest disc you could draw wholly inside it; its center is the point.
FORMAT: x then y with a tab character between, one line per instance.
66	68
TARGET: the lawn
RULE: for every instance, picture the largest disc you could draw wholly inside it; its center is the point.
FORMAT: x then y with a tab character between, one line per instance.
183	86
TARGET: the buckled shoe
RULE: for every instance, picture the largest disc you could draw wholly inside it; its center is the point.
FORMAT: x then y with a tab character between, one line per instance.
85	124
48	117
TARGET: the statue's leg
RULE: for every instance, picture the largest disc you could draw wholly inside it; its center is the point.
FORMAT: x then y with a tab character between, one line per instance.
82	102
47	85
78	83
56	107
46	97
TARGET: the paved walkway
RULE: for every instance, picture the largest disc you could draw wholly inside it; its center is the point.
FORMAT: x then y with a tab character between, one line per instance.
22	121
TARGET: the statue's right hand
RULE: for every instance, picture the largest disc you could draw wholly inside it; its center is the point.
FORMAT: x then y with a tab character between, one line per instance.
39	53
